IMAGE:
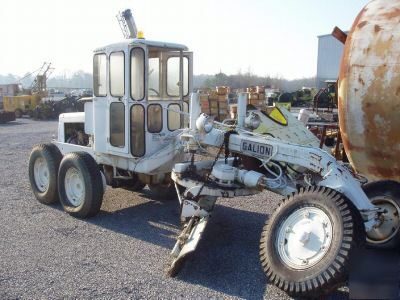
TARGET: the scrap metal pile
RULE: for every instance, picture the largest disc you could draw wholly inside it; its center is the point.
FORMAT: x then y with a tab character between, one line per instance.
6	117
52	109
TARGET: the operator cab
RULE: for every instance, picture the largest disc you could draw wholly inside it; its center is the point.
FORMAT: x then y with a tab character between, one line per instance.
140	87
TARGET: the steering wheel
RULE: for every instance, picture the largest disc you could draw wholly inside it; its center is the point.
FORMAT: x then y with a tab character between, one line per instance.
157	93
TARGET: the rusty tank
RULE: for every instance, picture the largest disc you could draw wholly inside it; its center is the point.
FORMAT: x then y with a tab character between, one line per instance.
369	91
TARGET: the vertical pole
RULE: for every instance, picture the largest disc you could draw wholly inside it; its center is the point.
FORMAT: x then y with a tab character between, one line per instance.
241	109
323	136
195	109
181	75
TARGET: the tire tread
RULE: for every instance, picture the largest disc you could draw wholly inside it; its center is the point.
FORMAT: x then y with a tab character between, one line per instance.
335	273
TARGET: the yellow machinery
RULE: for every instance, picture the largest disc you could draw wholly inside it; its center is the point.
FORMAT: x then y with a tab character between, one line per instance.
24	104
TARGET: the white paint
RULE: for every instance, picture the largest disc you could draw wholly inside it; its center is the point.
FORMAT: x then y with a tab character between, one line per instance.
41	174
304	238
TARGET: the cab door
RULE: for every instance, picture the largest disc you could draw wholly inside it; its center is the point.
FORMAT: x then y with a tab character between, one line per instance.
117	100
137	103
178	75
173	70
177	82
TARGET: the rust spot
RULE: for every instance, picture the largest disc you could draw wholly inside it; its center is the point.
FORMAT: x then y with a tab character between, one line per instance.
392	14
374	152
344	64
349	146
380	155
342	113
379	72
381	46
366	50
362	24
381	136
381	172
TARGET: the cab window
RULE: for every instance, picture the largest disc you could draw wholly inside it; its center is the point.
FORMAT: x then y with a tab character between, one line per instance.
174	117
117	77
137	74
185	117
154	118
137	131
154	79
173	80
117	124
100	75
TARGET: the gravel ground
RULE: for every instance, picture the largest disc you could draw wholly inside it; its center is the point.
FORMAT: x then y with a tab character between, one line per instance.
124	251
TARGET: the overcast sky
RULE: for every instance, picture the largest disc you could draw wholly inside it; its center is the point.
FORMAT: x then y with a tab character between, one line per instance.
275	37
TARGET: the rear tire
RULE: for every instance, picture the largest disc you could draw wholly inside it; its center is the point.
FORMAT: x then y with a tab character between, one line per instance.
291	252
385	194
80	185
44	162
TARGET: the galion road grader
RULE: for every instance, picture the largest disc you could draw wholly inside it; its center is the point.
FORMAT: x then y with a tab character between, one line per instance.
144	126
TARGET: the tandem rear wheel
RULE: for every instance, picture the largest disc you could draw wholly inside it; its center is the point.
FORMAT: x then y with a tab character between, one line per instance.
44	162
80	185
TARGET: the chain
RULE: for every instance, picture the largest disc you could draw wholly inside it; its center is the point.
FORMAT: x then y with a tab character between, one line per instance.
225	143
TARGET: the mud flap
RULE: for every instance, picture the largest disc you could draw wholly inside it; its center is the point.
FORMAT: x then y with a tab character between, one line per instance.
179	254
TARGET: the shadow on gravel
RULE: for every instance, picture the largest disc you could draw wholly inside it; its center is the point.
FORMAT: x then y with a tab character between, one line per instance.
226	259
154	222
9	124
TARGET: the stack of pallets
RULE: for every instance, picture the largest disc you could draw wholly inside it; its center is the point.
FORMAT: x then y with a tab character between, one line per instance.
215	102
256	96
222	92
204	103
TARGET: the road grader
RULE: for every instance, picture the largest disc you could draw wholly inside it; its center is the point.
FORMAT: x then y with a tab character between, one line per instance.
144	127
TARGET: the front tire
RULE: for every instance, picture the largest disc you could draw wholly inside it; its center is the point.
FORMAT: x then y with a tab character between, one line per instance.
44	162
80	185
307	242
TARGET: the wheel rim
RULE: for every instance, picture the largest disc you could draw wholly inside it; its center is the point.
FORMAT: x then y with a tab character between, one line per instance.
389	221
41	174
304	238
74	186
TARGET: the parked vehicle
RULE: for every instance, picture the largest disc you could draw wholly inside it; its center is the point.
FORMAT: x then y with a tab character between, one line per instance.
134	132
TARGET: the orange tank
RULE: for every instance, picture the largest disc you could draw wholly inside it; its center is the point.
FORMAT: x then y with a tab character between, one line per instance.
369	91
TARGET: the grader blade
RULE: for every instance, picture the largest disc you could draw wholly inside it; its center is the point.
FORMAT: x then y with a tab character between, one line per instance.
185	245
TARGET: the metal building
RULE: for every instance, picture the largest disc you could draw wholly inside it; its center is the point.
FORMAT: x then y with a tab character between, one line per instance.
329	55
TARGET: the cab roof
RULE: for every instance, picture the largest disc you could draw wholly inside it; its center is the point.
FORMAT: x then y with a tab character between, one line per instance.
149	43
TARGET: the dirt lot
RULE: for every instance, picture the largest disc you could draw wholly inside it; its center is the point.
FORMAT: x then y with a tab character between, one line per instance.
123	252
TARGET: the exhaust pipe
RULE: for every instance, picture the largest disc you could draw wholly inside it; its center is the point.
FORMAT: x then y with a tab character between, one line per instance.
130	22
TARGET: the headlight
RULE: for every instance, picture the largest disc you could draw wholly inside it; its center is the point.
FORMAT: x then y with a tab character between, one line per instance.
253	121
204	123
